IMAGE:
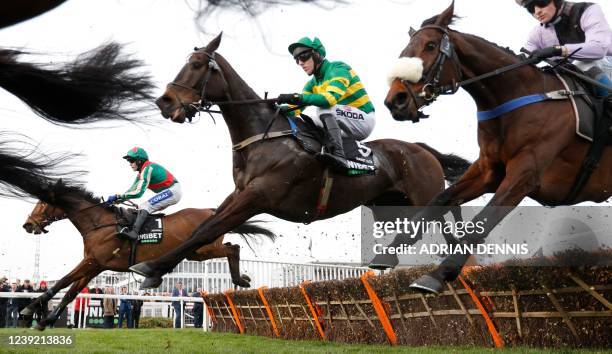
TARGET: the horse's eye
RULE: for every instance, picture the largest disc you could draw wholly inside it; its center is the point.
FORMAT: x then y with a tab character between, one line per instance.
431	46
197	64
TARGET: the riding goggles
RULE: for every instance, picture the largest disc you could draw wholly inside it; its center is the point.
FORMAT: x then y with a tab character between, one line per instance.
303	56
530	6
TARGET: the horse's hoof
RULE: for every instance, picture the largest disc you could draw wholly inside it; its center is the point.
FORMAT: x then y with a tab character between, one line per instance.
40	327
245	277
427	285
382	262
151	283
243	283
142	269
26	312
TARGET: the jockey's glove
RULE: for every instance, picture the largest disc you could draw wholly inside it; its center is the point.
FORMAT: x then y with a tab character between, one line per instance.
549	52
112	199
290	98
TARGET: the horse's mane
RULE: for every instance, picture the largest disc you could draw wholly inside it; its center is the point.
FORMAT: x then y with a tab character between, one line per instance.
26	172
65	195
432	21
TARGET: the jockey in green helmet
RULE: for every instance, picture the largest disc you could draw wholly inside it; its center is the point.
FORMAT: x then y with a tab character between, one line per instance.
154	177
343	105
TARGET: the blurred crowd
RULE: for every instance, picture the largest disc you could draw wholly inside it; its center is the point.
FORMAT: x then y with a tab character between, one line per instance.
116	312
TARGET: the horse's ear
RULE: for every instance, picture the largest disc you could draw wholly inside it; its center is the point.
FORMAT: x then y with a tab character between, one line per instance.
446	17
411	32
214	44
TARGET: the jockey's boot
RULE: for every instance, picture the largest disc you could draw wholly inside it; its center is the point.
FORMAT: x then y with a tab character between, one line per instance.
131	234
335	157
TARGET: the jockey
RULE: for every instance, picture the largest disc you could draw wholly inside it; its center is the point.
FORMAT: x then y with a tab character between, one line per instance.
568	26
154	177
343	105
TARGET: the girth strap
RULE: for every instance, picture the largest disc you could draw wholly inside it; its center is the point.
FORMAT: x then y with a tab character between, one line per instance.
524	101
258	137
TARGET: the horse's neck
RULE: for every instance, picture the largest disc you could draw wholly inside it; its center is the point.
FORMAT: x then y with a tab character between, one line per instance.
86	217
246	120
478	57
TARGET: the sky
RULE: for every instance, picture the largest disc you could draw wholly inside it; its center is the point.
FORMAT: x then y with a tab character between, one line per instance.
366	34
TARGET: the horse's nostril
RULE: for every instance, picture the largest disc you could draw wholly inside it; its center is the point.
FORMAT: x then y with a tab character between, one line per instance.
401	99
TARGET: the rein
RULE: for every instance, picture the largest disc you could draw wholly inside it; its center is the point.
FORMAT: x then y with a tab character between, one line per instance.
431	90
203	105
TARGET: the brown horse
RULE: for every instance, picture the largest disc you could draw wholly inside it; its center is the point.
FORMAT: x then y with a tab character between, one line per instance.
97	223
277	176
531	151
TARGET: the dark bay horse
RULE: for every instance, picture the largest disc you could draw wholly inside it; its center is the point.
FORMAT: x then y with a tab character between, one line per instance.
276	176
531	151
97	222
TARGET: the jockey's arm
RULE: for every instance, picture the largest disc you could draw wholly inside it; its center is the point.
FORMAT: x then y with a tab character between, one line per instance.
139	187
597	32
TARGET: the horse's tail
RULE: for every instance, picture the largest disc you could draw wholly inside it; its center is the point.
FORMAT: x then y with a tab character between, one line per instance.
31	174
100	84
454	166
250	229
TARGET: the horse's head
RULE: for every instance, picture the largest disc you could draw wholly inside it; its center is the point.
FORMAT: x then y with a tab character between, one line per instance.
42	216
427	67
200	81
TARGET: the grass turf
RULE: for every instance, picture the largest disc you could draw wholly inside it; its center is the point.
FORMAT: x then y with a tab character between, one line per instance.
195	341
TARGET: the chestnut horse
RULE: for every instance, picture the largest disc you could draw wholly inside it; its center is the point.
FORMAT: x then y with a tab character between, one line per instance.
97	224
531	151
276	175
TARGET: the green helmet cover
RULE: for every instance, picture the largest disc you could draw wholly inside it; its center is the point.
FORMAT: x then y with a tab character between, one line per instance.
314	43
137	153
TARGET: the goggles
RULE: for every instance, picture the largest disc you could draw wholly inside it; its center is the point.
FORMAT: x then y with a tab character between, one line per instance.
539	3
303	56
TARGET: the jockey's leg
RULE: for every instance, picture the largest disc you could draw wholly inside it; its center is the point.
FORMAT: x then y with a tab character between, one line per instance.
336	155
159	202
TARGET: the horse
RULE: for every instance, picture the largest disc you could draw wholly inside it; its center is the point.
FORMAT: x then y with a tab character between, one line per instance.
277	176
532	151
97	224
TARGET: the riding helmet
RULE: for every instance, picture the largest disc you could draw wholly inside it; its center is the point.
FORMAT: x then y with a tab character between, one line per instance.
136	153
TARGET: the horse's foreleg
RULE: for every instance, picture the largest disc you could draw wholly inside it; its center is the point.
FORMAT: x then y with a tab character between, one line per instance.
234	211
90	271
68	279
520	180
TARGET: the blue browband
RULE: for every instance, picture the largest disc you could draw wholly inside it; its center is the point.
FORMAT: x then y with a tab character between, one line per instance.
524	101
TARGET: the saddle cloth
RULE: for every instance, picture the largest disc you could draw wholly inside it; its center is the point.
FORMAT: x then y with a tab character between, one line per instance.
360	156
152	230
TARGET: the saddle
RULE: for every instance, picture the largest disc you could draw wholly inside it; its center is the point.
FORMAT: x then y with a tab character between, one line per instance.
593	114
593	123
312	138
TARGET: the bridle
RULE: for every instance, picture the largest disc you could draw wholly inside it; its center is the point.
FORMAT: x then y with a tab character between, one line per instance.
432	88
48	220
204	104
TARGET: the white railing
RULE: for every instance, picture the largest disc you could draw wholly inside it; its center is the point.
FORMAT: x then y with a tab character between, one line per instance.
213	275
156	301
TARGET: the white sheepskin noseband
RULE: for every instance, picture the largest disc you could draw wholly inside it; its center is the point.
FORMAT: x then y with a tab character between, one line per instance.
409	69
